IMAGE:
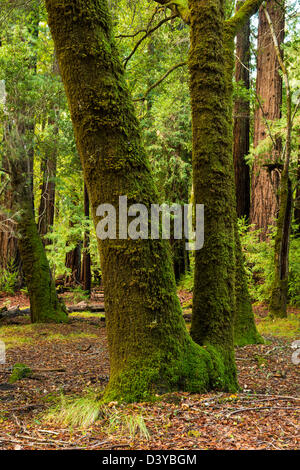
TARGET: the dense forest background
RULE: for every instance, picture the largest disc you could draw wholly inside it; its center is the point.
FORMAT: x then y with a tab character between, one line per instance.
154	48
32	92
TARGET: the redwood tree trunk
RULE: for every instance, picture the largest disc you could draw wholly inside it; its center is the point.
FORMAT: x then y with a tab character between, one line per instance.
8	242
265	181
241	115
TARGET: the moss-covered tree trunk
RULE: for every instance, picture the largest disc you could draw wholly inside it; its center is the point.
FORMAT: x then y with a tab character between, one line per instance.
213	181
245	331
44	304
220	280
150	349
86	275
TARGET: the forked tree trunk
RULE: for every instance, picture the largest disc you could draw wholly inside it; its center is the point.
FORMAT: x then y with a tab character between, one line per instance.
266	180
150	349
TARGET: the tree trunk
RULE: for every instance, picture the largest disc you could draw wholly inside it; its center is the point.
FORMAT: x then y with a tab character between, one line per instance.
86	277
221	305
47	201
150	349
73	262
297	201
213	182
44	304
265	181
242	122
48	170
279	292
9	253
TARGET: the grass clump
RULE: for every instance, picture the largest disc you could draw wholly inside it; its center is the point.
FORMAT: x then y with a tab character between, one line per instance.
72	412
83	412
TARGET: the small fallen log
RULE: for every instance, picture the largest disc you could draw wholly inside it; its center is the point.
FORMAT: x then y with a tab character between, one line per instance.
86	308
17	312
13	312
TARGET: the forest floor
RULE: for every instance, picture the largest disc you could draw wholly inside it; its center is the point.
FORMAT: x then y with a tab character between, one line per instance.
69	361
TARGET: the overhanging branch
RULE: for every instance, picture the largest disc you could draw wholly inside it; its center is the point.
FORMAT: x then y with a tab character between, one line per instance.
241	17
181	64
150	31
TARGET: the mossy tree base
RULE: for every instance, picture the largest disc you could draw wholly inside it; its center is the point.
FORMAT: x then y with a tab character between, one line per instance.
196	369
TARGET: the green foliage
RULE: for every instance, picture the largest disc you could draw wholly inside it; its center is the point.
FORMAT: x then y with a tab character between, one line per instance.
77	295
8	278
19	371
187	280
260	264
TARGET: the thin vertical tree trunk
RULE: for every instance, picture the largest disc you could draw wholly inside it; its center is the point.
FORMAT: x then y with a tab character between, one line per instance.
48	170
265	181
297	202
47	201
279	292
86	277
241	114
